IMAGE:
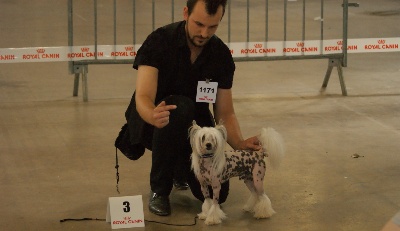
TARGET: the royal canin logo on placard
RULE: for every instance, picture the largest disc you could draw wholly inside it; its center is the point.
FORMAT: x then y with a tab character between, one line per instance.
41	50
300	44
129	48
340	42
127	220
258	49
205	98
85	49
382	45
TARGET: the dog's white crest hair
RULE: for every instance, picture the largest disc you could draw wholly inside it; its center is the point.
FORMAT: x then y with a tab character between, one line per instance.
219	156
217	136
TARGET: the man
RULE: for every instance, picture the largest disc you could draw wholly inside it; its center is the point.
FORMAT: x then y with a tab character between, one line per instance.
181	68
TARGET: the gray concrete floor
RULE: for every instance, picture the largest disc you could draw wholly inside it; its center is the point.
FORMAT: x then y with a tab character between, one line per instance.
57	156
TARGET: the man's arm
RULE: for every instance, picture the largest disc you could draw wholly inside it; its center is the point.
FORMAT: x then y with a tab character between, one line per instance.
224	110
146	90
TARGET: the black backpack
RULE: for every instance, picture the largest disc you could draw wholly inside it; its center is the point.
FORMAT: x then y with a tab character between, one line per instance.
123	143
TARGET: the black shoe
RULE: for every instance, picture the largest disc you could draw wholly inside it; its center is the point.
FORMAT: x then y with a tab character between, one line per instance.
159	205
181	185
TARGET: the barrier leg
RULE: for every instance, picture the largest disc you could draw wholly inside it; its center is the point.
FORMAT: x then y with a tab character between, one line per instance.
327	76
81	70
334	63
84	83
341	79
76	85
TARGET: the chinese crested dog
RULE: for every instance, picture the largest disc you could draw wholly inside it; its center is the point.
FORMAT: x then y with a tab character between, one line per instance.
213	165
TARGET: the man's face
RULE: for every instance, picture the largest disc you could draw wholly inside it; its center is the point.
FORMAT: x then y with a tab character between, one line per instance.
200	26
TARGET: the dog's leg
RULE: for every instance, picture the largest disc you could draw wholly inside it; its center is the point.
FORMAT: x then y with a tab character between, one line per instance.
262	208
215	215
205	208
249	206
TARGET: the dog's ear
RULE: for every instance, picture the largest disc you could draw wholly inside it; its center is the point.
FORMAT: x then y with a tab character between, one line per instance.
193	129
221	128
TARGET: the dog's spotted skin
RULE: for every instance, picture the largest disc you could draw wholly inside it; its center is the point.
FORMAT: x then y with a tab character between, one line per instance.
247	165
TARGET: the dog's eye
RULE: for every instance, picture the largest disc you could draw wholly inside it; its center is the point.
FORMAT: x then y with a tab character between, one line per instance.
203	138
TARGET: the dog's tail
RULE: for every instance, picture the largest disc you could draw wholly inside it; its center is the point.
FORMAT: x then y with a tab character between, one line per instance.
273	145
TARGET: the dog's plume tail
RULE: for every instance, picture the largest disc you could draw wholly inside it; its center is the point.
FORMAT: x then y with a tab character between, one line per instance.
273	145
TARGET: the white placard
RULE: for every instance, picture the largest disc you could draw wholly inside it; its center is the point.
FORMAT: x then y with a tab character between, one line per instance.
125	212
206	91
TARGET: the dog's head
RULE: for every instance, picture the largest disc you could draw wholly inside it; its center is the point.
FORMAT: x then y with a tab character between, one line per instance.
207	140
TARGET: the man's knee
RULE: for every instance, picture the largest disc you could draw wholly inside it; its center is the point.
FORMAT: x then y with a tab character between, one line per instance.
184	112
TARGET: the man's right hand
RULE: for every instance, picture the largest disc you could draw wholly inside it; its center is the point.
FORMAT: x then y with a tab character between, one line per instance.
161	114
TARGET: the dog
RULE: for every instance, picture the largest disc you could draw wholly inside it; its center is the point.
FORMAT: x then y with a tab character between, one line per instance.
213	165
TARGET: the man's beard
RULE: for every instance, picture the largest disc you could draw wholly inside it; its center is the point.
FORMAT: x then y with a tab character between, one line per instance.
192	40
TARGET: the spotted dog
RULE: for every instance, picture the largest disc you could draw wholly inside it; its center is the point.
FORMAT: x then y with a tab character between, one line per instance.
213	165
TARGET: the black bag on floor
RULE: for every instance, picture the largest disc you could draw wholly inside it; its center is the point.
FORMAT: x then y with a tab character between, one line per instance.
123	143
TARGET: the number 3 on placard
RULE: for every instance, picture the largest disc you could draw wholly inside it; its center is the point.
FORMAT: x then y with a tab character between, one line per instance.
127	208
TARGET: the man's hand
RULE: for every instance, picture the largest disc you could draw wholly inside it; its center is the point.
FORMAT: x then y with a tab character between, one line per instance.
251	143
161	114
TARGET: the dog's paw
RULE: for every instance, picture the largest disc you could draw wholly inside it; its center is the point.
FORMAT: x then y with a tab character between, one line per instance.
263	208
266	213
205	208
215	215
213	221
248	209
249	206
202	216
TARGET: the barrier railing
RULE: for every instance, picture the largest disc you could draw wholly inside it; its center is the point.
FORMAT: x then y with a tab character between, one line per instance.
268	49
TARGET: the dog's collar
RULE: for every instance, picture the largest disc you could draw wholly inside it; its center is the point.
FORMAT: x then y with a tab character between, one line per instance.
207	155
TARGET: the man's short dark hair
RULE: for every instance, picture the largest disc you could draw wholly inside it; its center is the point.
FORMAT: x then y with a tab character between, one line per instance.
211	6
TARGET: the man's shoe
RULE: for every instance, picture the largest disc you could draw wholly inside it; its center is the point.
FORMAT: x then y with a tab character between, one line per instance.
159	205
181	185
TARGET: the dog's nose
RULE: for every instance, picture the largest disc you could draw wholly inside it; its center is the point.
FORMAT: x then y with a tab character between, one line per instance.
208	146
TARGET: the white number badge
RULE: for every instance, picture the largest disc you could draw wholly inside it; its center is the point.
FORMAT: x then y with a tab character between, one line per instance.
206	91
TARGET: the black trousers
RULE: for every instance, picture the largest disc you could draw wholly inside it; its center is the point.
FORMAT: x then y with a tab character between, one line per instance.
171	150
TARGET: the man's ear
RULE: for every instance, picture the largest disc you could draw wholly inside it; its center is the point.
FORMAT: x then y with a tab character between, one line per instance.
185	13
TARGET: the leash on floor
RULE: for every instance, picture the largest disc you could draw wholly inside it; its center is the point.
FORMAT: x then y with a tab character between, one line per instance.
117	167
158	222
